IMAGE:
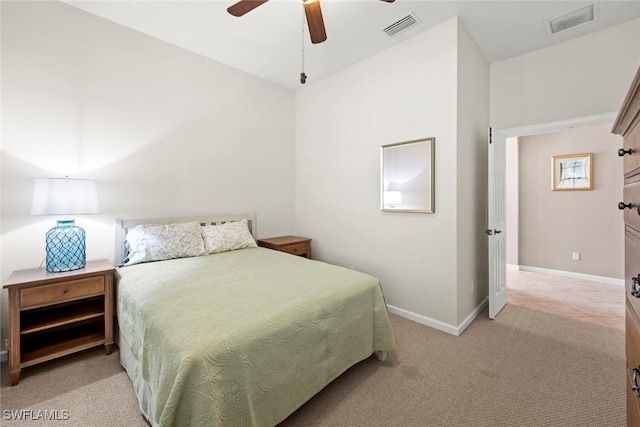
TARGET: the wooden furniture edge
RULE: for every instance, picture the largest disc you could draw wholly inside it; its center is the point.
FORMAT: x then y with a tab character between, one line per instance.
34	277
629	114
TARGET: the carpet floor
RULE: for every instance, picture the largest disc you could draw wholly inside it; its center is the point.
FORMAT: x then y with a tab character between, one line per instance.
526	368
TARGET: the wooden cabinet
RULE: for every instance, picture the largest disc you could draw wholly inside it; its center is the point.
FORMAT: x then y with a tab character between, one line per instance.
627	125
294	245
55	314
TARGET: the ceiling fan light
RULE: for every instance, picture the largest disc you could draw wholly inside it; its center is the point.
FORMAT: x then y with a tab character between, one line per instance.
315	22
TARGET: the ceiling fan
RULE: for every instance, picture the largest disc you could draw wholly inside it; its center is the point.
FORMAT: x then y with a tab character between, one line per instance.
312	11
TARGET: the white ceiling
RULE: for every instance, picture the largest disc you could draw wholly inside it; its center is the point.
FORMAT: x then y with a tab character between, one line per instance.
267	42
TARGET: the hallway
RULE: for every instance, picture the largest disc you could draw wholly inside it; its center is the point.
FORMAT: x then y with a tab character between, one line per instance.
589	301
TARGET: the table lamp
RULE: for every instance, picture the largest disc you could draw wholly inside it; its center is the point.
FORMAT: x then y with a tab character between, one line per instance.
392	198
65	243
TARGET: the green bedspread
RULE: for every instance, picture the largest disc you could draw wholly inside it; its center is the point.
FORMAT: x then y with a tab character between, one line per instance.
243	338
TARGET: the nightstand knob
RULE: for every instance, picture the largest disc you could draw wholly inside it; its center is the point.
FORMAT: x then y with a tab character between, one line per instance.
65	291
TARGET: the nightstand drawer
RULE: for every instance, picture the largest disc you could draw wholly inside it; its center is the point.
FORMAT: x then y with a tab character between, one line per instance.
300	249
294	245
60	292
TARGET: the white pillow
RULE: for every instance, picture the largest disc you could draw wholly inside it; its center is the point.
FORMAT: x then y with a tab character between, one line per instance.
151	242
227	237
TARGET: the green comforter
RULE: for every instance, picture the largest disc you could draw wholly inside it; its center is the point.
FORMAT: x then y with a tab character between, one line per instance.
243	338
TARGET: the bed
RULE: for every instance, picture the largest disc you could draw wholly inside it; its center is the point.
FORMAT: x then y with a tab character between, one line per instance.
240	337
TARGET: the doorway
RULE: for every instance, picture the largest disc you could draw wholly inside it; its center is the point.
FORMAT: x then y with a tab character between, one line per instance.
553	237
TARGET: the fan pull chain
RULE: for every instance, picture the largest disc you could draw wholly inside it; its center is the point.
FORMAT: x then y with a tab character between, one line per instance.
303	76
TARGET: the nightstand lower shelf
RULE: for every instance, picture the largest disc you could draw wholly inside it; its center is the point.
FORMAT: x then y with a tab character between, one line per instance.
36	349
47	318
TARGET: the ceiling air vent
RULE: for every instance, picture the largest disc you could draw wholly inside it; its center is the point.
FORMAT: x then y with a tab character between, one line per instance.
401	24
583	15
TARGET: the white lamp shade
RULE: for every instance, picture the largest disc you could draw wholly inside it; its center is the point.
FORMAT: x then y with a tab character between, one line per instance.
64	196
392	198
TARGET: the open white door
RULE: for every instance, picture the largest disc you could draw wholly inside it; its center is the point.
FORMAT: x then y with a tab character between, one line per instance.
496	228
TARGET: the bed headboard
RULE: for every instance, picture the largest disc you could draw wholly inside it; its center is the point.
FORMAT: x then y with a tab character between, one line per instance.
123	226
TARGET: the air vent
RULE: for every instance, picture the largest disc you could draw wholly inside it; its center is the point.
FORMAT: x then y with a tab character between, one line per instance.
401	24
583	15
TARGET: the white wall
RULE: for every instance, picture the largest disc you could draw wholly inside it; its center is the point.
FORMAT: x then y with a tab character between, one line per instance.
165	132
407	92
582	77
472	177
512	204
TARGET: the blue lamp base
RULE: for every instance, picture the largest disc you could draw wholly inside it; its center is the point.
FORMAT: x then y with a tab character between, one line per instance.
65	247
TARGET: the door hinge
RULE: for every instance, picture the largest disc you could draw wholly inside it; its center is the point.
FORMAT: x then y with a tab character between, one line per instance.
490	135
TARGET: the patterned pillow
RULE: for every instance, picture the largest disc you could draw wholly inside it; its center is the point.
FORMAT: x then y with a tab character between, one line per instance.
159	242
227	237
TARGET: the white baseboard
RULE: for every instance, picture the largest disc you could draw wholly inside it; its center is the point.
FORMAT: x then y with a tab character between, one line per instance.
436	324
470	318
513	267
602	279
3	356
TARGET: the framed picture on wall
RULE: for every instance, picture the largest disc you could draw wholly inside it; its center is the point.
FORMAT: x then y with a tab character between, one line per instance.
407	176
572	172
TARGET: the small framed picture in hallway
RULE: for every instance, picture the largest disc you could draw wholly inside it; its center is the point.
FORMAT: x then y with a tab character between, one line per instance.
572	172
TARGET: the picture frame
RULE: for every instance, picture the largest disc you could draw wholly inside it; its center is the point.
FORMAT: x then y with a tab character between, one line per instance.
407	176
572	172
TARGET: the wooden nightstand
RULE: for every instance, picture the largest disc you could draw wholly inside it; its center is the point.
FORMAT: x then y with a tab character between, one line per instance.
55	314
300	246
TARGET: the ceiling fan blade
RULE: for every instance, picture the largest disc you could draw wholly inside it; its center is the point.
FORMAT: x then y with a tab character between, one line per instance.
244	6
315	21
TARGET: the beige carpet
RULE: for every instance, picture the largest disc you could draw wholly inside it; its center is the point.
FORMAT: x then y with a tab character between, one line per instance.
527	368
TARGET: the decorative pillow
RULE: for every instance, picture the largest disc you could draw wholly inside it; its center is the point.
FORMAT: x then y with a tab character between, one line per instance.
150	242
227	237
